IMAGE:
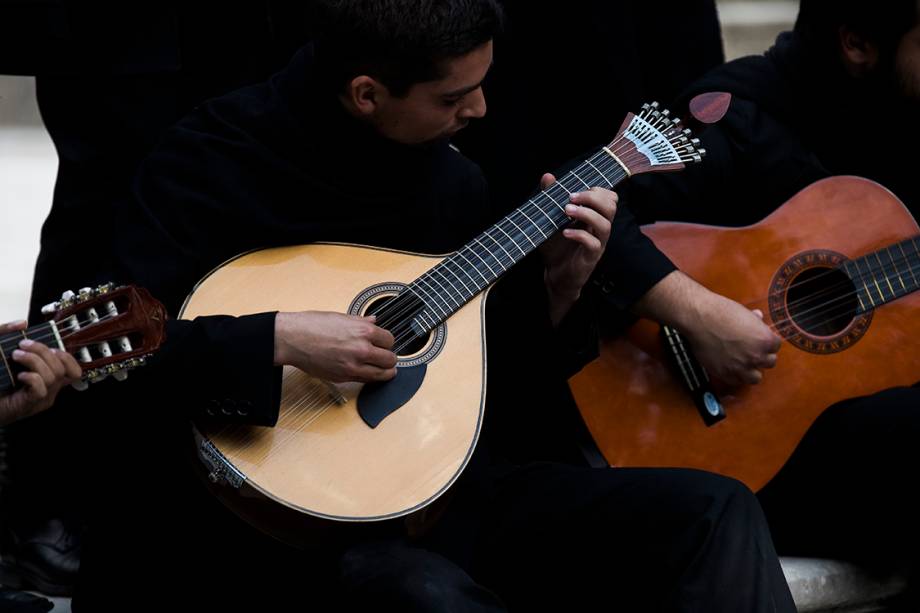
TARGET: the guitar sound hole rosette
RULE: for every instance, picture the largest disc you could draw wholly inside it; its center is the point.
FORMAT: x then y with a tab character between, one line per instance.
424	348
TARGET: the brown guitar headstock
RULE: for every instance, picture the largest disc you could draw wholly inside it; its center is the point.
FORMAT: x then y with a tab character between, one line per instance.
653	141
109	329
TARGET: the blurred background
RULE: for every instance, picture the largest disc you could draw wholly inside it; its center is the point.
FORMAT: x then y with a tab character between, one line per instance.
28	162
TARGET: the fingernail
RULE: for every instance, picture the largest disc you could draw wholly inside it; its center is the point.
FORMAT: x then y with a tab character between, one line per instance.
18	354
26	343
570	208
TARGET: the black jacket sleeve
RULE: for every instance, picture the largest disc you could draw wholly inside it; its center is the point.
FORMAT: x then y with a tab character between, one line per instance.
223	365
631	265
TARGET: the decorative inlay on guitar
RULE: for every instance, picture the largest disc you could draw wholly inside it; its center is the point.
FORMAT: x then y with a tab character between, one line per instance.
360	453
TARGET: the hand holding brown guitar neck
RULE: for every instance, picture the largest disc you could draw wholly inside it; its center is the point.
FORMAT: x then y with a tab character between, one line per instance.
109	329
44	373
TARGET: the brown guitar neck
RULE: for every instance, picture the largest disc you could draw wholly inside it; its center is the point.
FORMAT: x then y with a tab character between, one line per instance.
886	274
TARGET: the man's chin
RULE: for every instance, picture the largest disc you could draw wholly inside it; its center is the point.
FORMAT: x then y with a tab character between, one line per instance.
441	139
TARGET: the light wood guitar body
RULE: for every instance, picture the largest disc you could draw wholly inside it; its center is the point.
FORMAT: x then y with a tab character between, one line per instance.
322	459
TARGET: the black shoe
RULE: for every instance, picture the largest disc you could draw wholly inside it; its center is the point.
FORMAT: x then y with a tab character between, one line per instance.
44	557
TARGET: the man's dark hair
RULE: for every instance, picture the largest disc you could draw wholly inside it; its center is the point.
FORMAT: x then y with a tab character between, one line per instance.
399	42
883	22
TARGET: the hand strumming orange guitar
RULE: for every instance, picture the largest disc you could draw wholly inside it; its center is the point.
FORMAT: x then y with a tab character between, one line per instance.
842	298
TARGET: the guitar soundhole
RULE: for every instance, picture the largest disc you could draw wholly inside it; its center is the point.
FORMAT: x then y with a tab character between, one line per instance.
415	345
813	303
405	319
822	301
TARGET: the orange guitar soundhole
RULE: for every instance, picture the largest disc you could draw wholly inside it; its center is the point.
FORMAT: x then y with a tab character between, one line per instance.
802	322
843	297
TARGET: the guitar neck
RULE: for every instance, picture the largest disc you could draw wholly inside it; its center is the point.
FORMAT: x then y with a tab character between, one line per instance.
464	274
886	274
43	333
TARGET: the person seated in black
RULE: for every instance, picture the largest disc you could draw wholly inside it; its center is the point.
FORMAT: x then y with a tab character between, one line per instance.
835	96
108	84
350	143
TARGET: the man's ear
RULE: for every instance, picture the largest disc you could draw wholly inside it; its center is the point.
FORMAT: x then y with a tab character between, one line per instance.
364	95
859	54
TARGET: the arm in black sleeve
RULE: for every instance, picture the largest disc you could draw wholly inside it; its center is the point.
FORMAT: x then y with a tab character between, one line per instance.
631	265
224	364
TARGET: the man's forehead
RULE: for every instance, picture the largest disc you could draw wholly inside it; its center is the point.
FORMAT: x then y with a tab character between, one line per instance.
465	73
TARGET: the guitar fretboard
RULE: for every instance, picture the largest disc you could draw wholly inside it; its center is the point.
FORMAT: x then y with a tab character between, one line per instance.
445	288
886	274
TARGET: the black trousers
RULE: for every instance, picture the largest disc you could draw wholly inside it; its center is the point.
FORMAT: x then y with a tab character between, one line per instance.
558	537
848	491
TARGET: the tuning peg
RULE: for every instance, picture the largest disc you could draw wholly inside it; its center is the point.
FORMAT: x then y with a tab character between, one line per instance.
65	301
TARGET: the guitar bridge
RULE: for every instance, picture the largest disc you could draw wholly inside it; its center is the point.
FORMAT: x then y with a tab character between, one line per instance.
694	376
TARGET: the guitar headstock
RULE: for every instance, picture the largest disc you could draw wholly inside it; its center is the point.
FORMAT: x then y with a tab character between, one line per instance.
653	141
110	330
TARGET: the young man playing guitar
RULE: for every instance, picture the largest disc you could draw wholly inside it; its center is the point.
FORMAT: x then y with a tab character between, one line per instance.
350	144
834	97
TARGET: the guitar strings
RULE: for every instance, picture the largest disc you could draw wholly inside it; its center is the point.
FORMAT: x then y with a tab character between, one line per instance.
818	309
871	274
49	335
403	333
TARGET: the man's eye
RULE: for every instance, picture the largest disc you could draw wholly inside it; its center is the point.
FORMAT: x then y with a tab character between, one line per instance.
452	101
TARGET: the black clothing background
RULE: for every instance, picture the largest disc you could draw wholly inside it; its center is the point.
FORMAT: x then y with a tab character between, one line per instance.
796	117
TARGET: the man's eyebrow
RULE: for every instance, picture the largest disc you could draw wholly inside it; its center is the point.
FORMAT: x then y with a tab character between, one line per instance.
462	91
469	88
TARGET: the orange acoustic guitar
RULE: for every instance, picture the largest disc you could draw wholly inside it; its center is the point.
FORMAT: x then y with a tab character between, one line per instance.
835	270
109	329
364	453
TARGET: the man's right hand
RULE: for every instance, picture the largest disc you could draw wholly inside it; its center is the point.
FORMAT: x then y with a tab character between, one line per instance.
335	347
731	342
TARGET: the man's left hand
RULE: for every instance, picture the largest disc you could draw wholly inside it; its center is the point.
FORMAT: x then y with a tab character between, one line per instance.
570	257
